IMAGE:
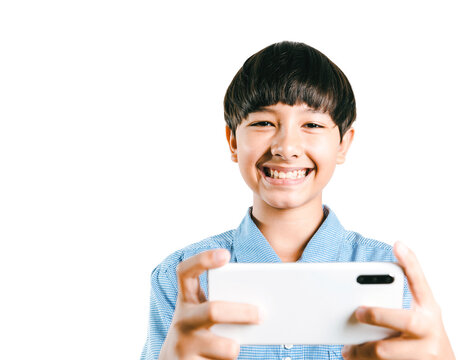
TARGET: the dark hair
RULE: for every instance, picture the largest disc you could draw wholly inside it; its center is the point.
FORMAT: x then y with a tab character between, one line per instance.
290	73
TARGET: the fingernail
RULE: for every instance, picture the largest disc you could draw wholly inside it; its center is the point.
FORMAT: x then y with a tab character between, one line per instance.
359	313
221	256
402	248
345	350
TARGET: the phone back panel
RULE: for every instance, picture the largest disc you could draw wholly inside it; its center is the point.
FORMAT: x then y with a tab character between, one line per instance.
305	303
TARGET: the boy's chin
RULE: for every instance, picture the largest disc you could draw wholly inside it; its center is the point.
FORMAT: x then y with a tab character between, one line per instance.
284	204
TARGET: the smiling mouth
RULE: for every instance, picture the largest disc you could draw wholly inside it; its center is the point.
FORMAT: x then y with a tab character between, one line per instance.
291	174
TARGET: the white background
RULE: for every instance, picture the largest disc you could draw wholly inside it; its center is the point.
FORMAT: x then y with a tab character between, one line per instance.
113	154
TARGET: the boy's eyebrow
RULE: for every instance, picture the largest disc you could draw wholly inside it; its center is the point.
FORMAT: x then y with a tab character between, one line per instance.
258	110
314	111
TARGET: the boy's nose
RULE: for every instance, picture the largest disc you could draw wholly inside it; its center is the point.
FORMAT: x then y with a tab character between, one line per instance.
287	145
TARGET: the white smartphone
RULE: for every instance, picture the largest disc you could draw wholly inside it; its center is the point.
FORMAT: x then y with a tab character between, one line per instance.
307	303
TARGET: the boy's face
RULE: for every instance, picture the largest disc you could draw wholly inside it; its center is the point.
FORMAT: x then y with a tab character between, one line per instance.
287	154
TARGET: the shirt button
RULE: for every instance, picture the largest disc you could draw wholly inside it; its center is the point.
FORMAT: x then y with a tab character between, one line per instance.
287	358
288	346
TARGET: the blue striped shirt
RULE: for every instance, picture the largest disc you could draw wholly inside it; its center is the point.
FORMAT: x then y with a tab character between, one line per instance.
331	243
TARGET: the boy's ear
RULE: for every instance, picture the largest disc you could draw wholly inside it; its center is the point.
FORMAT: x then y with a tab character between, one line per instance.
232	143
344	145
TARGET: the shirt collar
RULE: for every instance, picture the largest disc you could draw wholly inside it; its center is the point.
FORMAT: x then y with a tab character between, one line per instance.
250	246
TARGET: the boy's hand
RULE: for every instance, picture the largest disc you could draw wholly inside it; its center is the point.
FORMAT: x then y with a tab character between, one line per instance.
421	332
189	336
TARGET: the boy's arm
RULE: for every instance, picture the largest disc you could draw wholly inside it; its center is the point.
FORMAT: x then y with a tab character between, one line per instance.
162	306
422	334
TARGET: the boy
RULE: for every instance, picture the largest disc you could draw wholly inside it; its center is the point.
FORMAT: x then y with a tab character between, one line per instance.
288	112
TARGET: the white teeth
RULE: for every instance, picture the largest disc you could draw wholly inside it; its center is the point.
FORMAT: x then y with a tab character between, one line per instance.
296	174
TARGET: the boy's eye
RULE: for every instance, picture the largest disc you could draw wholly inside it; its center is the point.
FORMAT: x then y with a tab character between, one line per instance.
313	126
262	123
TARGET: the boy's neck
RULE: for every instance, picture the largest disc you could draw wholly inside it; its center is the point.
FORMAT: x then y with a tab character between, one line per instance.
288	231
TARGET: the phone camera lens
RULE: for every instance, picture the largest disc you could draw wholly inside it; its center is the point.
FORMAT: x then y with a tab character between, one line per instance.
375	279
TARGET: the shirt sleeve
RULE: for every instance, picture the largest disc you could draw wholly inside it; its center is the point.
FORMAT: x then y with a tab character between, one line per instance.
162	307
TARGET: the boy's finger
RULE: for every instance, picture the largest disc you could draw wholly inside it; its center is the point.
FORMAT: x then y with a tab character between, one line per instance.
393	348
217	347
409	322
189	270
418	285
215	312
